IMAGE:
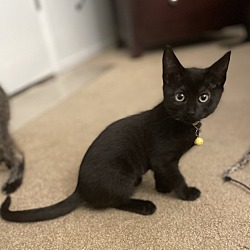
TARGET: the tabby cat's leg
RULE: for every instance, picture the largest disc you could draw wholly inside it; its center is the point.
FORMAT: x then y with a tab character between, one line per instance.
138	206
15	161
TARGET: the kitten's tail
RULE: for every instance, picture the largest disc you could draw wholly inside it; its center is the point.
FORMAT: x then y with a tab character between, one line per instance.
40	214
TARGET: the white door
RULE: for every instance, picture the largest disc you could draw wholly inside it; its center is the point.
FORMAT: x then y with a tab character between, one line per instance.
24	58
78	28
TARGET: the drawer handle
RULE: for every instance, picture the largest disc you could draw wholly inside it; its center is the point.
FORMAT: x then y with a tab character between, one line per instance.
173	2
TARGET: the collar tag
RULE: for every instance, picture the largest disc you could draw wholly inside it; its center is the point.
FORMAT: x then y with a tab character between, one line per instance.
198	141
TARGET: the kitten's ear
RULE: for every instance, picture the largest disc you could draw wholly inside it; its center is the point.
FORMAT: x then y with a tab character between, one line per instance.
171	65
219	68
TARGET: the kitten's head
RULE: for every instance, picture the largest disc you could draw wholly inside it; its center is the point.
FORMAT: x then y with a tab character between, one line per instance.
191	94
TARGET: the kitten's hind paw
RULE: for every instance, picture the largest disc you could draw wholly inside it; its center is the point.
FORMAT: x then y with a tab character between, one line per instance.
148	208
138	206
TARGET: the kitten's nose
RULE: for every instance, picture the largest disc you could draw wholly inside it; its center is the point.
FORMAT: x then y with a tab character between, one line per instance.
191	113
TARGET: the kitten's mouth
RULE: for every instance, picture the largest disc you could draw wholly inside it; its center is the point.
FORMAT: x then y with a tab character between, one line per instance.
186	119
194	119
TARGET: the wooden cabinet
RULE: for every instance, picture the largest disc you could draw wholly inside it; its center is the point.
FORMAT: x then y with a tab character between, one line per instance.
146	23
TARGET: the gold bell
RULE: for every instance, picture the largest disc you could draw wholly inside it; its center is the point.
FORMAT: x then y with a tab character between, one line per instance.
198	141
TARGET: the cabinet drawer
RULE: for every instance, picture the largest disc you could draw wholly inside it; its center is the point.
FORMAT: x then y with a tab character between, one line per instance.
155	19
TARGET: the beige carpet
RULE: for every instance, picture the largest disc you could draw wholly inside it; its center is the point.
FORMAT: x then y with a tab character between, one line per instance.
55	143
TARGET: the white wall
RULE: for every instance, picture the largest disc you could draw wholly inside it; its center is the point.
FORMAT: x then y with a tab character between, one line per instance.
24	58
38	42
78	29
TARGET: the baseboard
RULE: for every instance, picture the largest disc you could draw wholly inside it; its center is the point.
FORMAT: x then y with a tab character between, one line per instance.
84	55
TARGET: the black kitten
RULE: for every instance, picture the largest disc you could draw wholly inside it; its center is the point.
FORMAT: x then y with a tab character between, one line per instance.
9	151
155	139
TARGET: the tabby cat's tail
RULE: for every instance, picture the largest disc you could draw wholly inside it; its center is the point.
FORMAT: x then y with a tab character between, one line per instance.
40	214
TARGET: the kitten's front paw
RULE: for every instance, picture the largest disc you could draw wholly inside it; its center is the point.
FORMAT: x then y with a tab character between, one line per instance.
190	194
163	189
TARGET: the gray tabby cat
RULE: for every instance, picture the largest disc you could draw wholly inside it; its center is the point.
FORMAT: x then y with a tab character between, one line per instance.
10	154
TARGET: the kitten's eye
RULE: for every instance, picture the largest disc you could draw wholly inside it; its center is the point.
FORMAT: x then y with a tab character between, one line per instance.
204	98
180	97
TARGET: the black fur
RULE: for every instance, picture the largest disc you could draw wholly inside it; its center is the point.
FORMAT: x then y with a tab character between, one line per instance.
155	139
